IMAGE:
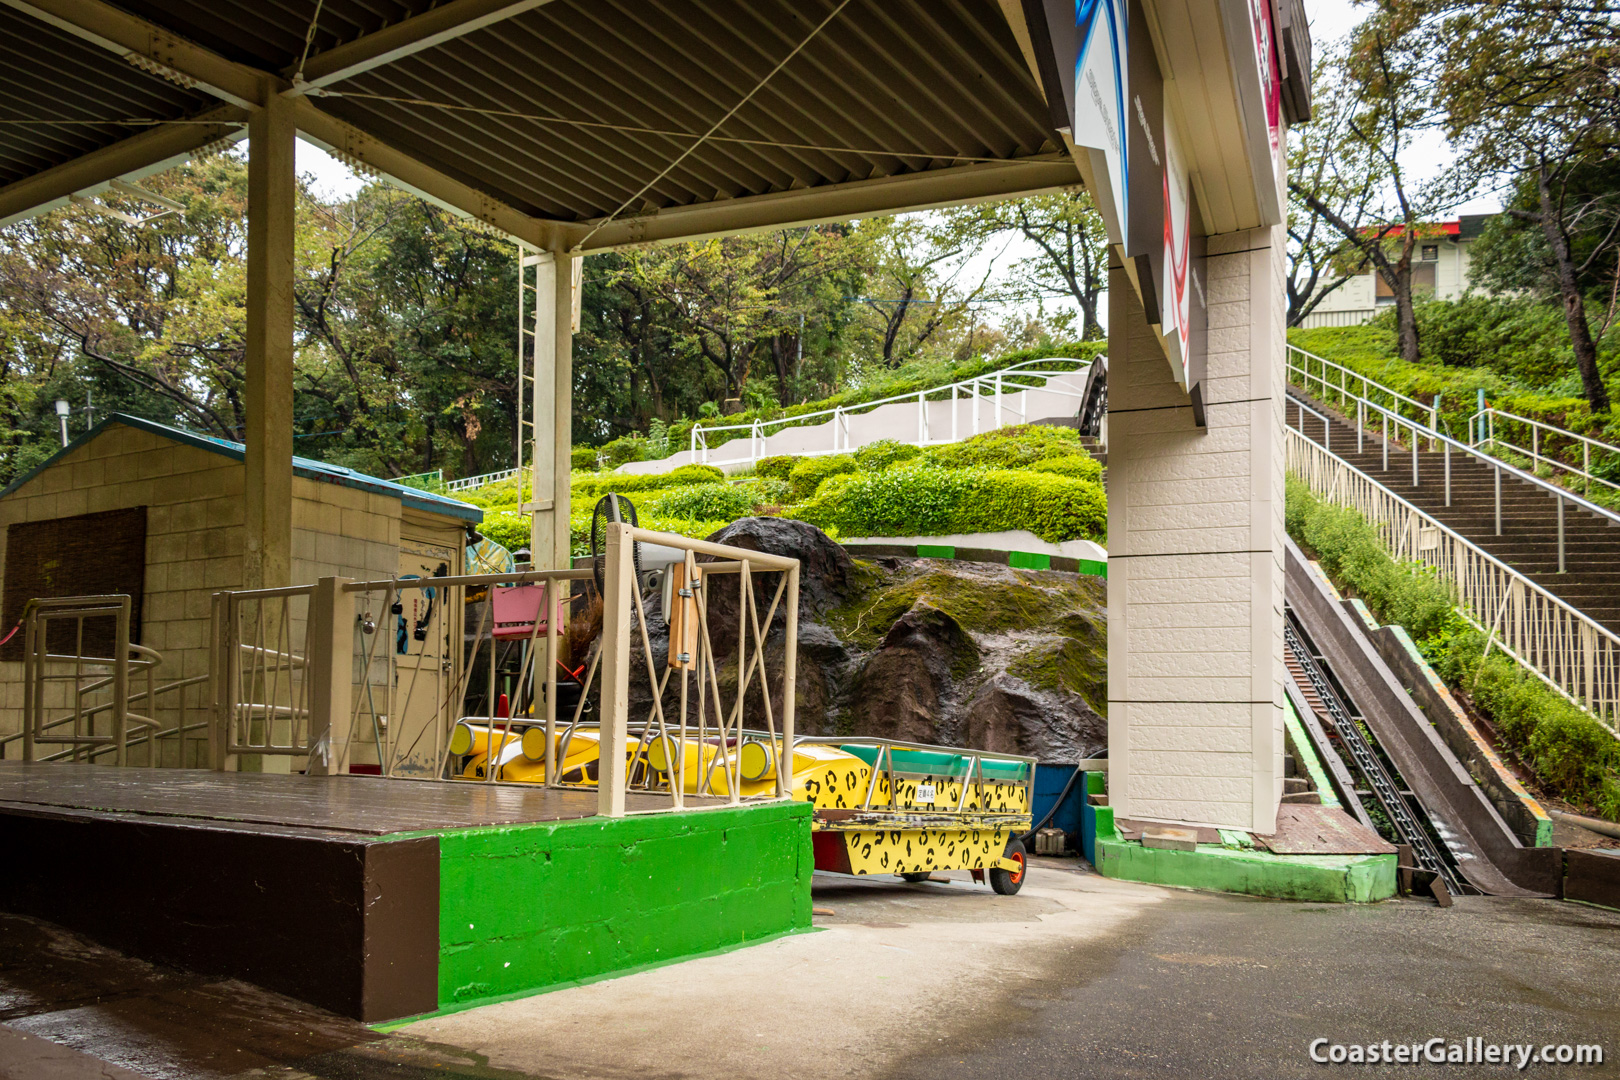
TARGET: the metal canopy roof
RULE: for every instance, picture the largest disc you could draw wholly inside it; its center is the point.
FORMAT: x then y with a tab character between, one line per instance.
548	119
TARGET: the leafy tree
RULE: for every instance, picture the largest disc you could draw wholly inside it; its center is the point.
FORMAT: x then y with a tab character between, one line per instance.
1330	165
1534	88
1386	92
1071	241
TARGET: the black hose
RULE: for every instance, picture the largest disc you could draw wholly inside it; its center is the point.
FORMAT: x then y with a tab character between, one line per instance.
1041	824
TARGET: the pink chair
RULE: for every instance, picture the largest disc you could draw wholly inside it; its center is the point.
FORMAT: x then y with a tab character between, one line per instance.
518	608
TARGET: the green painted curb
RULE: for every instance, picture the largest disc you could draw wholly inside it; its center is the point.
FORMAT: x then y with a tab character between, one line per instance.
935	551
1334	879
1094	567
1028	560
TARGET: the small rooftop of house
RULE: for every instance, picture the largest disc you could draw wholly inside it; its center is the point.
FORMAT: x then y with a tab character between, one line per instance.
320	471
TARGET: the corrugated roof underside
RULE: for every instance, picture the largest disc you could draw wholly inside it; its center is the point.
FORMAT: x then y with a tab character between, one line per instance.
46	74
889	87
269	34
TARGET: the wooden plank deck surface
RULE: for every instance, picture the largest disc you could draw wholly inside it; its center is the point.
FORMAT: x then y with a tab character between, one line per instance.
367	805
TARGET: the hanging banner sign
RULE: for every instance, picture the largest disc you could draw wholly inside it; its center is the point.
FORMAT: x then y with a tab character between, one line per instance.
1183	304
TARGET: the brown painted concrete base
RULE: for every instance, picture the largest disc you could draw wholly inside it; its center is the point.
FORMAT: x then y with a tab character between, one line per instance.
348	923
1592	876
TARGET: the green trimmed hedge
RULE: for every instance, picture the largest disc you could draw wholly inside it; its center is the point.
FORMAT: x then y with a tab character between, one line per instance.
1571	752
704	502
877	456
1084	467
776	468
808	473
1008	447
924	500
599	484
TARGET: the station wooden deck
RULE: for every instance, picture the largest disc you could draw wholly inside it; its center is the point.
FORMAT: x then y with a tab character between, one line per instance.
323	888
360	805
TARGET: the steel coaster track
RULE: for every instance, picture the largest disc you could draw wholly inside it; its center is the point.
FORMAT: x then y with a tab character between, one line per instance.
1384	787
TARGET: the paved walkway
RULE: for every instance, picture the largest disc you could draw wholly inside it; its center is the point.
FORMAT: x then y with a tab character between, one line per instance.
1077	976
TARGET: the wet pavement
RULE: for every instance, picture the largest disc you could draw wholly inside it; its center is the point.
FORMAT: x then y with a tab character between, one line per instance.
1078	976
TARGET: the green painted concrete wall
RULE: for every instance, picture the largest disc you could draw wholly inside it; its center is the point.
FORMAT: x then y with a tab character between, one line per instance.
523	908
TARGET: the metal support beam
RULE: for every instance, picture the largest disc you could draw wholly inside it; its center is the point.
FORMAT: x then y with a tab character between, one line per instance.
391	43
119	32
346	141
835	202
268	461
151	151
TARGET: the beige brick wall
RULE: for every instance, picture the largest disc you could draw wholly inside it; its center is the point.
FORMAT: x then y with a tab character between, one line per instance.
1195	525
194	547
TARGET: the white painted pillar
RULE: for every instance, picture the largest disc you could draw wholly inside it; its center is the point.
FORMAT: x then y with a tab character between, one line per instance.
616	600
553	410
1195	539
267	555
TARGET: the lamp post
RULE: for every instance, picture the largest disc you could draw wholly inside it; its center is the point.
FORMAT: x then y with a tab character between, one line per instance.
62	410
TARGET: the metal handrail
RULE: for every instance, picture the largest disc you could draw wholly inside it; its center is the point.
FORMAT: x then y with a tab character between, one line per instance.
1497	465
1602	698
1488	430
756	428
1345	374
1477	435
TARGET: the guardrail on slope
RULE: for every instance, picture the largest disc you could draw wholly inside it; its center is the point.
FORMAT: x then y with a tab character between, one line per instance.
1566	649
1490	430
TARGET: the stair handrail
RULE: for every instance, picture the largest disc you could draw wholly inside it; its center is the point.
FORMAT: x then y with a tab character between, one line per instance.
700	432
1594	631
1533	452
1432	409
1436	421
1419	432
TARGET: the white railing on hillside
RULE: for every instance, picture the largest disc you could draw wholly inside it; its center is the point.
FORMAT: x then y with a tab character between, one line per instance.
469	482
1565	648
992	385
1336	384
1482	427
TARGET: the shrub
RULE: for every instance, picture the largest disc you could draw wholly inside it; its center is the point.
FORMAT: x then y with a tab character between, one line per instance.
621	450
776	468
598	484
508	528
877	456
583	459
1008	447
1083	466
808	474
706	502
925	500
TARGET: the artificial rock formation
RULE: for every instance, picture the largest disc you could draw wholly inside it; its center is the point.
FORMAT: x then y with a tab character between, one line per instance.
924	650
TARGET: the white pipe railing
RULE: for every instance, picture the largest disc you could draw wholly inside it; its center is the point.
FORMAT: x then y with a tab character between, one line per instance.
990	384
1564	647
1334	380
468	482
1486	433
379	666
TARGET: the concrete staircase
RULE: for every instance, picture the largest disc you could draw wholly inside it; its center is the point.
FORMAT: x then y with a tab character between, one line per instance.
1529	538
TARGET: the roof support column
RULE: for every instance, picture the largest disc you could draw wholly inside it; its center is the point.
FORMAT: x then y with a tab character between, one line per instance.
269	396
1195	542
553	410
